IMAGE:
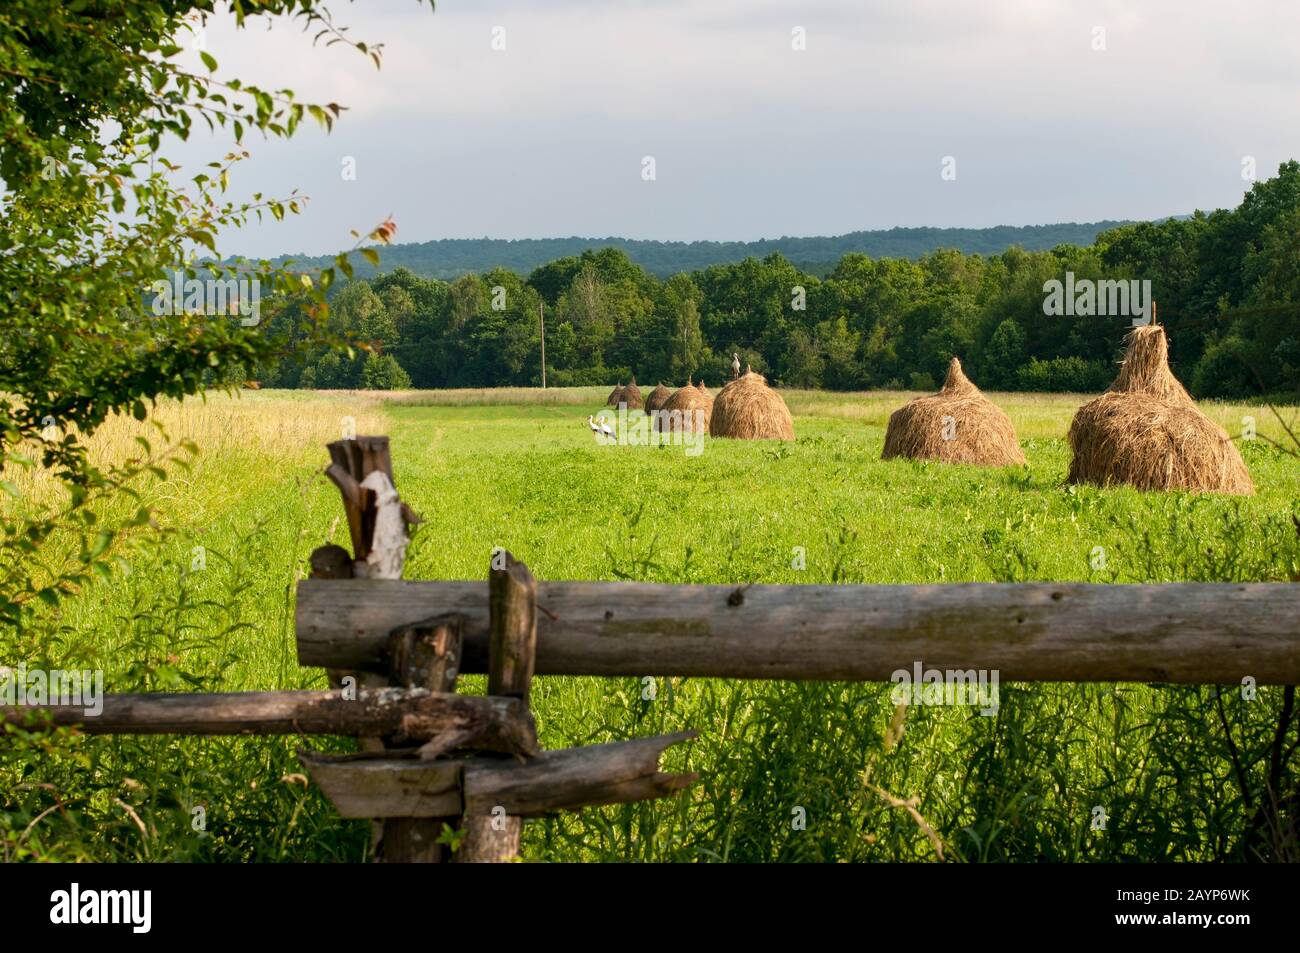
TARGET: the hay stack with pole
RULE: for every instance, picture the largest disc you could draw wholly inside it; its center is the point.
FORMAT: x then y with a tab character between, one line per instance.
678	413
1146	430
614	396
956	425
631	395
704	390
655	399
748	409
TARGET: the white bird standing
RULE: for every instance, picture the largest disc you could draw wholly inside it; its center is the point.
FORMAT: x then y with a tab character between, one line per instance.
605	428
591	422
735	364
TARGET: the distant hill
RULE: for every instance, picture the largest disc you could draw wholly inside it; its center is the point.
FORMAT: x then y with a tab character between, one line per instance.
451	257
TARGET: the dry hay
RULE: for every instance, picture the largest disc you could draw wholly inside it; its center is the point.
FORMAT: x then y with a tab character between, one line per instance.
956	425
702	389
678	412
1147	432
748	409
631	395
655	399
614	396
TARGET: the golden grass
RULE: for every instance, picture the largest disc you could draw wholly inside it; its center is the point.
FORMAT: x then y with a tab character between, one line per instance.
747	409
271	425
656	398
956	425
685	402
1146	431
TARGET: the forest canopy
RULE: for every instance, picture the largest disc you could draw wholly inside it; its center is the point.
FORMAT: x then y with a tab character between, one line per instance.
1226	283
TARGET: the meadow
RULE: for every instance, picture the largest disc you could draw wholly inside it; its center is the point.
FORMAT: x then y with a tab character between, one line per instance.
788	771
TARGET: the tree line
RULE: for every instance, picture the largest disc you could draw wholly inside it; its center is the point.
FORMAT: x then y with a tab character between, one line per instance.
1227	286
449	258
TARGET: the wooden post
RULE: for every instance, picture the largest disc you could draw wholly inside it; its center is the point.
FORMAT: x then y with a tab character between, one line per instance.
512	608
425	655
541	315
362	469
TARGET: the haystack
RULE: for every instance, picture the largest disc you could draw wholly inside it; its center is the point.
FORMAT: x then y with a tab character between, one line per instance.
614	396
655	399
631	395
1146	431
750	410
702	389
956	425
687	400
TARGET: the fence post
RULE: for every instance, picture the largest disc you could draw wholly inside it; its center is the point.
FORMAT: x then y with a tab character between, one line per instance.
425	655
512	608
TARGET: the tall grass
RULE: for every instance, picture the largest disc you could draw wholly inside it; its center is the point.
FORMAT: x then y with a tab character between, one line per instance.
789	771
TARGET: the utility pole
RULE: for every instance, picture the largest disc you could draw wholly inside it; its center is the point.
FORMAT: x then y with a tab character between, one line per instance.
541	316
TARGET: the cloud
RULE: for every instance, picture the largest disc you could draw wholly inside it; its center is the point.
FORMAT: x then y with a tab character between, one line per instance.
752	137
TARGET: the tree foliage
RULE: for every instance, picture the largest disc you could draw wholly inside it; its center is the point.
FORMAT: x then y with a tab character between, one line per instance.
95	220
1227	287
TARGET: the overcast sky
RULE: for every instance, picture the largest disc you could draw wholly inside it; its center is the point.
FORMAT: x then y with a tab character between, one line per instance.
752	138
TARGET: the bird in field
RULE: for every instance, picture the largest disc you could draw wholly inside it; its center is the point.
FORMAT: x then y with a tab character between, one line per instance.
735	364
600	426
591	422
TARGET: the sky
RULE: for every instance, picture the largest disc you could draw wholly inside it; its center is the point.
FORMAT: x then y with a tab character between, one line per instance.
762	118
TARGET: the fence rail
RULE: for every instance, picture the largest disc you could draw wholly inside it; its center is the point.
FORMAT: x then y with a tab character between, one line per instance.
1177	632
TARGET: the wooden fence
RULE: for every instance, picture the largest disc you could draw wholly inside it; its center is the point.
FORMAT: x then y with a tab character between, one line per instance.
432	761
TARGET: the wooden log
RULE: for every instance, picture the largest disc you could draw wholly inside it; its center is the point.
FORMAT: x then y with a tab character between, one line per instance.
488	722
425	655
512	645
1177	632
553	781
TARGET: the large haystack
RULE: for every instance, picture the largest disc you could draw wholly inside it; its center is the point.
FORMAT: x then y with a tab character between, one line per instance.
655	399
678	412
1146	431
750	410
631	395
956	425
614	396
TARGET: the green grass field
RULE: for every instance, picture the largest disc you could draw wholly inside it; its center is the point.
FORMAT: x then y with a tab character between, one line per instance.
789	771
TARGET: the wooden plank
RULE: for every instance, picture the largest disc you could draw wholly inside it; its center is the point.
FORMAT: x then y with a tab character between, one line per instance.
553	781
1177	632
512	646
488	722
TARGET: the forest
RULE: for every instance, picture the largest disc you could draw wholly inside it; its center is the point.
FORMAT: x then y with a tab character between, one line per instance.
450	258
1226	284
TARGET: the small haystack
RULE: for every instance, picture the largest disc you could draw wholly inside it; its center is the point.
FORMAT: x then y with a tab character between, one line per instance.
956	425
1146	431
702	389
656	398
678	412
748	409
614	396
631	395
